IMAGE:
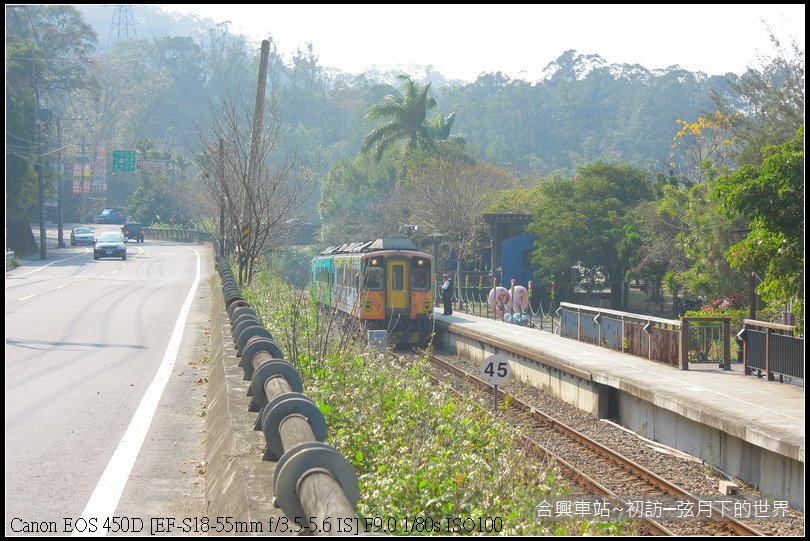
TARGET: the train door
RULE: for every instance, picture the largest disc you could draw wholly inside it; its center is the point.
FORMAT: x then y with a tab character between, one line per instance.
397	281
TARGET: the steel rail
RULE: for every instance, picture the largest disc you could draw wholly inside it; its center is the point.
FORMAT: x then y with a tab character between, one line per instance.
728	523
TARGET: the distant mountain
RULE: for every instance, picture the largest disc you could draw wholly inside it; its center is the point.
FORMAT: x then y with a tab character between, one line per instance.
579	109
150	22
422	74
571	66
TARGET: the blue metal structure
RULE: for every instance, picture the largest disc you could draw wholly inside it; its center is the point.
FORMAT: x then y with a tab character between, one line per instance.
516	260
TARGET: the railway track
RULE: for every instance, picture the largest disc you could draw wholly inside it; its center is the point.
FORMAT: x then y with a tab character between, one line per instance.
602	472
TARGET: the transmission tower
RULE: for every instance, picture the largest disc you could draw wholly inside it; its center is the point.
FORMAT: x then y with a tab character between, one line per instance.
122	26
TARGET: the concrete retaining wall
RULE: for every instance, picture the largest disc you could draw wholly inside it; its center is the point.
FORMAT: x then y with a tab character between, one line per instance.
238	483
774	474
576	390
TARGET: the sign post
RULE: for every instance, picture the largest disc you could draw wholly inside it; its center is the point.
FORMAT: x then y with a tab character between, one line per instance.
495	370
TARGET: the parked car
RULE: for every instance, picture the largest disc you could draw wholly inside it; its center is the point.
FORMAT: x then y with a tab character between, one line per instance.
112	216
81	235
132	230
110	245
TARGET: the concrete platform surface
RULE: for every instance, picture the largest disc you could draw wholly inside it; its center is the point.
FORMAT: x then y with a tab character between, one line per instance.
768	414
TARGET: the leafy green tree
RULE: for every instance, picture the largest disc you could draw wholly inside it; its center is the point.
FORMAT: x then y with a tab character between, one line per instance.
771	99
21	148
181	61
771	197
156	202
654	255
47	50
227	65
58	40
516	200
353	201
584	223
701	236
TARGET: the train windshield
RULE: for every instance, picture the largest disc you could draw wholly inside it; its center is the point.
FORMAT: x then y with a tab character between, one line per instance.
420	274
374	278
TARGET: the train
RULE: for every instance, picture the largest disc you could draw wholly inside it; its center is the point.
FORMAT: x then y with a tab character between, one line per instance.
385	284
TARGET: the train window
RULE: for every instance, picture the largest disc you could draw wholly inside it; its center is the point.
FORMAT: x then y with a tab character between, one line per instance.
374	278
398	278
420	274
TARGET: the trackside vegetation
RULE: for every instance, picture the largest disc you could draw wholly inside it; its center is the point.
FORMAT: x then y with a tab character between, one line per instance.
424	457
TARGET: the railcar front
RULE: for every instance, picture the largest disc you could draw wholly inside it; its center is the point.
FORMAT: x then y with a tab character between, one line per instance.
386	284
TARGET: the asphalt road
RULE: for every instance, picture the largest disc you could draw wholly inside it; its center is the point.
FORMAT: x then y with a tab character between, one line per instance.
85	340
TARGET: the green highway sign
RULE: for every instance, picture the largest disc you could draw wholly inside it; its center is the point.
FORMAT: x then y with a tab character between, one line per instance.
124	160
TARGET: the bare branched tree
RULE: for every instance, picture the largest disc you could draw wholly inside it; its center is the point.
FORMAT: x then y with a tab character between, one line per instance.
447	199
283	182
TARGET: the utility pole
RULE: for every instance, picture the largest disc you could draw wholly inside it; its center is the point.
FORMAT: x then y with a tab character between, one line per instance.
81	185
43	249
60	184
752	295
221	175
253	160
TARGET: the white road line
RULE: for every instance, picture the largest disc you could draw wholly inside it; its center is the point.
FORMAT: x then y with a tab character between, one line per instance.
49	264
104	500
113	272
26	297
60	287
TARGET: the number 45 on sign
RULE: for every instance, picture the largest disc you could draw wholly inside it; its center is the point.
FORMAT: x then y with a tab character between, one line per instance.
495	370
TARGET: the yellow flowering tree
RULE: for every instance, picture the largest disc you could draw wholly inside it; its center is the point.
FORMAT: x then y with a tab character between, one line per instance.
703	149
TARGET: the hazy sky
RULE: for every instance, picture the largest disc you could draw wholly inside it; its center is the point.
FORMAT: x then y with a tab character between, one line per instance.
519	40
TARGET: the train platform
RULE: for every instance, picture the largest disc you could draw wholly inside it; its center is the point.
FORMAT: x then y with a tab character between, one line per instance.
746	426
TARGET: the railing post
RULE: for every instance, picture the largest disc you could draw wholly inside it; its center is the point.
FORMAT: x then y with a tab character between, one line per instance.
768	373
726	345
597	320
623	334
551	305
746	369
684	344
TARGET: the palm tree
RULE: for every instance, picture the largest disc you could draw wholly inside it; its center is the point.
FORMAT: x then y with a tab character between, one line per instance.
408	115
438	138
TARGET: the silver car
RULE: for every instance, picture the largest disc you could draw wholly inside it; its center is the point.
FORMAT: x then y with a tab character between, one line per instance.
81	235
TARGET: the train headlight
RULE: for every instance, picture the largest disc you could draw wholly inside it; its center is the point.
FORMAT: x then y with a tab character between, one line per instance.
420	262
